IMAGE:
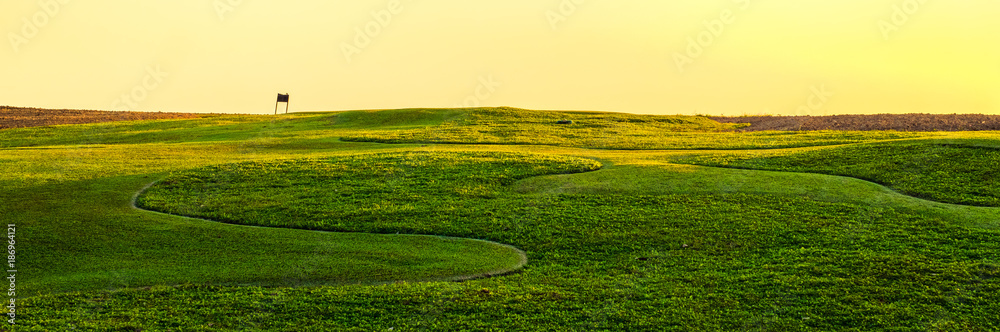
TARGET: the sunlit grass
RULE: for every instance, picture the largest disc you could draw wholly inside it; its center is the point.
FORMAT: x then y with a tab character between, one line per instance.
656	252
642	244
609	131
951	173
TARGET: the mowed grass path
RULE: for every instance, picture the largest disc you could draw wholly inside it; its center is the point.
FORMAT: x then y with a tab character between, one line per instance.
960	173
640	244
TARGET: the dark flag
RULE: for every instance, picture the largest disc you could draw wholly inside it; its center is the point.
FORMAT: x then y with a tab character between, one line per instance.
282	98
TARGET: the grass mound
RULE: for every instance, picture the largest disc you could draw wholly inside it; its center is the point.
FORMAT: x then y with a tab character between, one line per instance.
624	262
382	191
950	173
603	131
396	119
598	261
454	126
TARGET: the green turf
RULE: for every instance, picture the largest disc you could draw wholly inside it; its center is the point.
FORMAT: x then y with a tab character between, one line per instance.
84	235
335	194
453	126
601	130
641	244
627	262
951	173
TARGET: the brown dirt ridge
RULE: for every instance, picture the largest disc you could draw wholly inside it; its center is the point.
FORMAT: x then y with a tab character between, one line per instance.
898	122
21	117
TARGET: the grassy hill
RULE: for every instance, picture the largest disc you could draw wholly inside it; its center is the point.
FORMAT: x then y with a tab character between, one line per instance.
626	222
601	130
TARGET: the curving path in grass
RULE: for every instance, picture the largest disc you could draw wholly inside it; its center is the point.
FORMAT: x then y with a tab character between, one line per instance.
87	236
631	247
625	238
932	170
665	178
707	261
522	258
328	196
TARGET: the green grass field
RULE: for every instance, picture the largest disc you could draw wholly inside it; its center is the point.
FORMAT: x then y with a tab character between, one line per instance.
422	219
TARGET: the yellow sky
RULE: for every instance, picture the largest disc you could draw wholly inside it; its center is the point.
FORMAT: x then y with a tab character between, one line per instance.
749	56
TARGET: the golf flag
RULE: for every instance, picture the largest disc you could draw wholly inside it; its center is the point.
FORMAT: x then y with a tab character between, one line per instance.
282	98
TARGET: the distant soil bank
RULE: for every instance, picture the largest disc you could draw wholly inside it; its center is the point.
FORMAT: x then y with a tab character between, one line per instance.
20	117
899	122
16	117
